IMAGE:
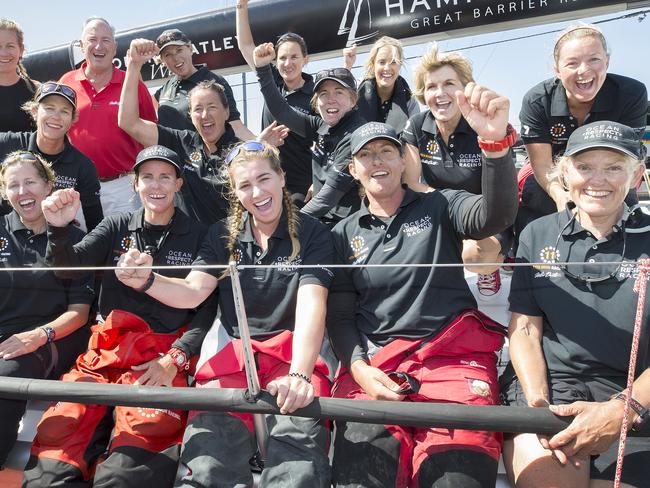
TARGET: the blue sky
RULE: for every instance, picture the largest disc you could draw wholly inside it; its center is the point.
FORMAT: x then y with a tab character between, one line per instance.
510	68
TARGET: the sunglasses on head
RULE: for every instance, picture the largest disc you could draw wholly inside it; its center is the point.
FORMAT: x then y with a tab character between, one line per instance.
332	73
53	87
255	146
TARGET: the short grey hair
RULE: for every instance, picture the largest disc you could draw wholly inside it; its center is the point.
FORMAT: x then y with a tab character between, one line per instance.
98	19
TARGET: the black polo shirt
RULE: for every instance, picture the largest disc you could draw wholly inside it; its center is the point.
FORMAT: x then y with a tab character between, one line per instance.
331	152
31	299
12	116
174	102
295	153
73	170
269	293
458	165
203	196
587	328
545	115
114	236
412	302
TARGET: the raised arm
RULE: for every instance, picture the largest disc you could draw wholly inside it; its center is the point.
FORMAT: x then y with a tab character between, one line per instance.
245	40
413	169
302	124
349	56
128	118
541	161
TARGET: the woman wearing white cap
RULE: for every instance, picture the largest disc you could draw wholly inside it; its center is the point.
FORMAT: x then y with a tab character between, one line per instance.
573	318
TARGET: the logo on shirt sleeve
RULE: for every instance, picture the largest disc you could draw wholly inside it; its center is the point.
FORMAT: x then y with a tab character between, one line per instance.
4	250
4	244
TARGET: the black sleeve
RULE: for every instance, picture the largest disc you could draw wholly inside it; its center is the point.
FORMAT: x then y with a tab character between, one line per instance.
92	250
302	124
317	249
636	111
213	250
323	201
410	133
341	317
534	121
481	216
80	289
156	95
190	342
171	138
232	103
88	188
522	299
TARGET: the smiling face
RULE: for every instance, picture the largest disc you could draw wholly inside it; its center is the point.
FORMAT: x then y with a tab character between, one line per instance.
582	66
54	116
598	181
25	189
98	45
290	62
440	87
387	67
10	51
156	183
208	114
378	166
259	189
333	101
178	59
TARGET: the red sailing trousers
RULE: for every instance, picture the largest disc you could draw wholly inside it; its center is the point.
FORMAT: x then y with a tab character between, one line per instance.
458	366
70	433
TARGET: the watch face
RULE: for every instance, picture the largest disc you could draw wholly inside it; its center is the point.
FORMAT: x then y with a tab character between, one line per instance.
180	359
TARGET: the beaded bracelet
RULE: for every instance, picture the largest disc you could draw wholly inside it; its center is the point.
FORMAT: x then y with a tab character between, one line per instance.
301	376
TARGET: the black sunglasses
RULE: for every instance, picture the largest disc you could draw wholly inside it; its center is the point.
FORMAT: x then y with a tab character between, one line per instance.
246	146
53	87
339	73
584	277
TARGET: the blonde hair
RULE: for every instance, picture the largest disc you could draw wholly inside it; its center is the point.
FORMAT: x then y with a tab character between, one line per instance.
385	41
577	31
562	163
434	60
236	209
10	25
43	167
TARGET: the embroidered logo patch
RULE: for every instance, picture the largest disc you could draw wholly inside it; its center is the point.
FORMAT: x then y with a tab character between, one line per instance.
558	130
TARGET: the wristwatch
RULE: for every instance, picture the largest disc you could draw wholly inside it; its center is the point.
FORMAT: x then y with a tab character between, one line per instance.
180	359
494	146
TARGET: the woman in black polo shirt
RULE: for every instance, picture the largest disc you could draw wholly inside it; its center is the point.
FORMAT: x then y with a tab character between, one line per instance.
442	152
137	340
571	326
16	87
54	110
384	96
582	91
407	333
335	194
42	315
297	87
285	307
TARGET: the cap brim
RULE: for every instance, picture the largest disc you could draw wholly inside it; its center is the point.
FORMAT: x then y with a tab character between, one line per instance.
340	82
173	43
358	147
599	145
62	95
179	170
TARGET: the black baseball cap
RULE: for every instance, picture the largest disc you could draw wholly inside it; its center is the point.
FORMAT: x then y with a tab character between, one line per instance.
172	37
371	132
158	153
605	135
342	76
54	88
